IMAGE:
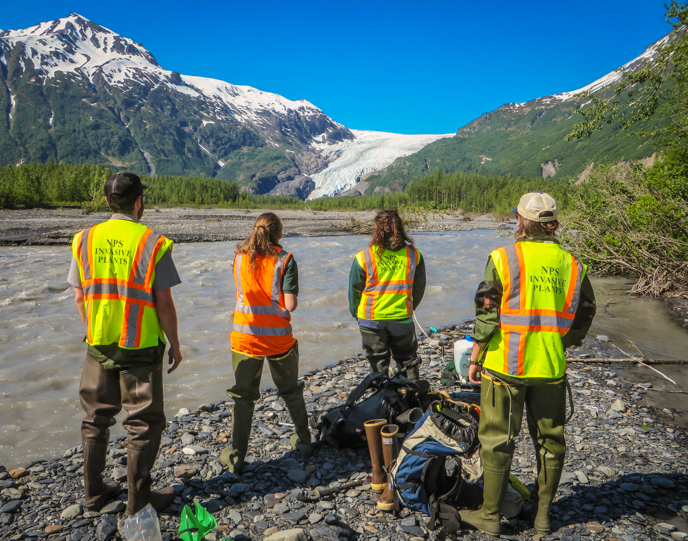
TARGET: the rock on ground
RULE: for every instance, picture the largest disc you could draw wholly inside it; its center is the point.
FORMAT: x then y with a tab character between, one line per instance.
625	473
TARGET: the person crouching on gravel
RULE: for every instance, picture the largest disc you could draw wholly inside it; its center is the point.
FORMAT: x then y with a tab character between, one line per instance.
386	285
267	286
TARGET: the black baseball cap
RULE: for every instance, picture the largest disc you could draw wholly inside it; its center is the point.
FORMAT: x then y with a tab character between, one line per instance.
125	185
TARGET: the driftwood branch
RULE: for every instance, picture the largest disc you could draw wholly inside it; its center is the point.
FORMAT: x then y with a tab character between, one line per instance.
624	360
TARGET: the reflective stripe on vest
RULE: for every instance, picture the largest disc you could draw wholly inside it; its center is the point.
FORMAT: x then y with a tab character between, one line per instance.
261	329
131	287
542	285
398	282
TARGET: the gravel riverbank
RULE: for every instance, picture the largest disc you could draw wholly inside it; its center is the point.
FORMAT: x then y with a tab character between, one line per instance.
58	226
626	474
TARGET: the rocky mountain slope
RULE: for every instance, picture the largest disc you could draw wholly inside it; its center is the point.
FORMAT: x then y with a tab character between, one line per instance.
527	139
74	91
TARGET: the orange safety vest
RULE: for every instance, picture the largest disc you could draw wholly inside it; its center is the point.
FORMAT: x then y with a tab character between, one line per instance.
262	324
116	262
542	285
388	291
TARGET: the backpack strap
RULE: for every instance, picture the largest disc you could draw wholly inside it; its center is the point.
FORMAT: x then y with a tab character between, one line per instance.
401	383
361	388
450	520
458	482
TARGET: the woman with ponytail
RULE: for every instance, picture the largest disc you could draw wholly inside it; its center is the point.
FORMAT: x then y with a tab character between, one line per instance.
386	285
266	278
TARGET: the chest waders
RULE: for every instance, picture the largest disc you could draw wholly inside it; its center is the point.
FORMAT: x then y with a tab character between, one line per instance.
501	407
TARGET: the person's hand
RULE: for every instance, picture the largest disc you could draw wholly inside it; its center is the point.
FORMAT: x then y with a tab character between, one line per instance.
175	357
474	374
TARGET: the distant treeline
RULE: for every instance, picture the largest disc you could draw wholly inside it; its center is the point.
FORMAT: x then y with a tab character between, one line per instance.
469	192
35	185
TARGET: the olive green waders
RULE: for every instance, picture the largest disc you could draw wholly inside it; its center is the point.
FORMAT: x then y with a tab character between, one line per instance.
246	390
501	412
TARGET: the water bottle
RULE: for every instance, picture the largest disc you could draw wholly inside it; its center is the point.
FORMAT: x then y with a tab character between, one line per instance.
462	357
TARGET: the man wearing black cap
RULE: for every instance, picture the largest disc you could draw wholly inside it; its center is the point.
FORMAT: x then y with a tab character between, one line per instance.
123	273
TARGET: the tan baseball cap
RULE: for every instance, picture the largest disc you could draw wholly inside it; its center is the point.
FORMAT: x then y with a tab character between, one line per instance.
538	207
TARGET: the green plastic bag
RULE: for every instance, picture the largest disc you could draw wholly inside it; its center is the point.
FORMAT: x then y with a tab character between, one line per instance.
195	527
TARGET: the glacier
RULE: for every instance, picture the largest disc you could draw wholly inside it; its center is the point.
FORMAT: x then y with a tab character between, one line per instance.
369	151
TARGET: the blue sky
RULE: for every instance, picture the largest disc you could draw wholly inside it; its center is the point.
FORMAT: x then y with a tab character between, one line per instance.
406	67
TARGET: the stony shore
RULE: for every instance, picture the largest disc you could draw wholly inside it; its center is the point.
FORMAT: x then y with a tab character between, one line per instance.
58	226
626	474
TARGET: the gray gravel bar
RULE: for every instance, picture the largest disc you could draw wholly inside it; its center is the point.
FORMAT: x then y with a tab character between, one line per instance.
625	476
58	226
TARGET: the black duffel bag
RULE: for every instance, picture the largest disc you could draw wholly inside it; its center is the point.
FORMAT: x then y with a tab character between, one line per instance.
342	426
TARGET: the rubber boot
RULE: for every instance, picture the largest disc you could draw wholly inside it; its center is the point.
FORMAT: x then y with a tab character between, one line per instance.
487	518
372	429
139	480
390	451
301	441
162	499
410	372
548	483
242	417
97	493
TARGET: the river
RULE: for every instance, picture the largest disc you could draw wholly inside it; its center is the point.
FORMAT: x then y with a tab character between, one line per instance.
41	351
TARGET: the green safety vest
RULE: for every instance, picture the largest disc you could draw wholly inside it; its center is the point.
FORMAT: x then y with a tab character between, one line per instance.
388	292
117	268
542	285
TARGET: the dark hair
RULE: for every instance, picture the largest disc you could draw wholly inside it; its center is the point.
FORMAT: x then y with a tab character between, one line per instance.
267	232
528	228
122	204
388	231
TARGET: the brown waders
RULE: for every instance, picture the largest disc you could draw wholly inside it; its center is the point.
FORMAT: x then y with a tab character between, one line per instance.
501	412
246	390
103	394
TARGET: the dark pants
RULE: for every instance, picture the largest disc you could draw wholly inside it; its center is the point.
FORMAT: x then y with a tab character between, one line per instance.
103	394
395	340
248	370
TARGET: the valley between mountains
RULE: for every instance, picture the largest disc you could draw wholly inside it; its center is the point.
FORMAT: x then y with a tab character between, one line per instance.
72	91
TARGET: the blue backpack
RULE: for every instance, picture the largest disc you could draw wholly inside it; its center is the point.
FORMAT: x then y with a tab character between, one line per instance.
447	432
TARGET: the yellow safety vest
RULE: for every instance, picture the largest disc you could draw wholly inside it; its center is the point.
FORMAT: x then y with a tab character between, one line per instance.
542	284
117	267
388	292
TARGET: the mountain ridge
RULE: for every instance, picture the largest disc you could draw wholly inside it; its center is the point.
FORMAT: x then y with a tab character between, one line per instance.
75	91
528	139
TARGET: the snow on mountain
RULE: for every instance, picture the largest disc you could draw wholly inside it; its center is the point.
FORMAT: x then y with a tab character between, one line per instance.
81	51
615	76
370	151
246	103
78	46
603	82
81	48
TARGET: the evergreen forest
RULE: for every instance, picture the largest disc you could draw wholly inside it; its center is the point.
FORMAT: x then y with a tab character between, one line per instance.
41	185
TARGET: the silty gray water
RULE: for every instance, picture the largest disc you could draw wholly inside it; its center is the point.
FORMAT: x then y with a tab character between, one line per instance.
41	351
